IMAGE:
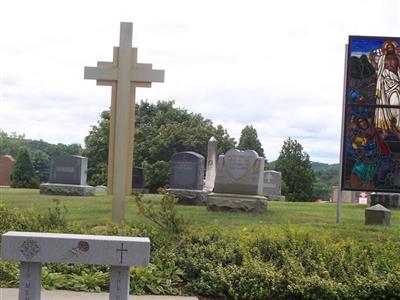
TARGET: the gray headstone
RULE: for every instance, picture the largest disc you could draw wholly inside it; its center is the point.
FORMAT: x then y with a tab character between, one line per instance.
240	172
272	183
68	169
187	171
377	214
211	168
138	178
389	200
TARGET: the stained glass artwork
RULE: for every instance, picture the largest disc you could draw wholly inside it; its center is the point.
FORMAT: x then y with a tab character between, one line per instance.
371	137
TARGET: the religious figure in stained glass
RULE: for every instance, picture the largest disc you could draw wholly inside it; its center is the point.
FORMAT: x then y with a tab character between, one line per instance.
371	155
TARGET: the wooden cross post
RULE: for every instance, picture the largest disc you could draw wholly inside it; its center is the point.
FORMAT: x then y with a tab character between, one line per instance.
123	74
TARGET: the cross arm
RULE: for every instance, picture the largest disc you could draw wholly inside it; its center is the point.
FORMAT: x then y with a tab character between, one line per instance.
147	75
100	73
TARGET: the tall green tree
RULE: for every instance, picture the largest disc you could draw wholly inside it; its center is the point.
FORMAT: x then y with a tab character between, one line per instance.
23	174
249	140
160	131
297	174
41	164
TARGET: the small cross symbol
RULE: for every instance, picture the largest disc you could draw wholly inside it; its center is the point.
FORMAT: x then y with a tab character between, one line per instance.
122	250
269	177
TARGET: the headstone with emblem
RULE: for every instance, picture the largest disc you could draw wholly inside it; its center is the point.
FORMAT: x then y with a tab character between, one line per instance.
238	183
272	185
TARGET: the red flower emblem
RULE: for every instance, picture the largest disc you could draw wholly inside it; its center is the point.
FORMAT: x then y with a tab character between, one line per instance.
83	246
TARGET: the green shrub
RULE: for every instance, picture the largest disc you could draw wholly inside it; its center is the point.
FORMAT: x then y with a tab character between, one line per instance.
166	216
225	264
23	174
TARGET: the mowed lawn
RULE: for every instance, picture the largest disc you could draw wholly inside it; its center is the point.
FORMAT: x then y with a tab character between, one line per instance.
315	218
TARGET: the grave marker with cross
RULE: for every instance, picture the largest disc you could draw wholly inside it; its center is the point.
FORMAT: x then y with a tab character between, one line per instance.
123	74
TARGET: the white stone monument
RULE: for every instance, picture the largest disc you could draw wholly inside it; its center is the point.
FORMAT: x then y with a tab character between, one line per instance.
34	248
211	168
123	74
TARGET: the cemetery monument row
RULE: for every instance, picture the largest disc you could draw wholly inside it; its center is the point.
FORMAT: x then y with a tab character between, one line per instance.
123	74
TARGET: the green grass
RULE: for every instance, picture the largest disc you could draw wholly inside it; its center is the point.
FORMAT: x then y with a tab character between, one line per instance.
315	218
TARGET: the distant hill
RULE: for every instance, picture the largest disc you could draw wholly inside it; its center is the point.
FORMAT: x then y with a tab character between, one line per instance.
316	166
326	176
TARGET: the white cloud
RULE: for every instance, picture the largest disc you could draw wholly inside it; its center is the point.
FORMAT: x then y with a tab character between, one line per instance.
277	65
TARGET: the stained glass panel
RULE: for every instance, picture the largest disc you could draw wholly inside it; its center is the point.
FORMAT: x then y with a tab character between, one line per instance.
371	137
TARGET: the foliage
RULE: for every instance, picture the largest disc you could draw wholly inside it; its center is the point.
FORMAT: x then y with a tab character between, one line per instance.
166	217
249	140
23	175
296	170
326	176
156	174
41	164
52	220
160	131
225	263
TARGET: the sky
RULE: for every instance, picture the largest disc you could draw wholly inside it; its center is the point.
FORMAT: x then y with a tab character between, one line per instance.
275	65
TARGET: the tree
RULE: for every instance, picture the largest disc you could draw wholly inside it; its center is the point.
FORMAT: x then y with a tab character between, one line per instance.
23	174
249	140
41	164
297	174
160	131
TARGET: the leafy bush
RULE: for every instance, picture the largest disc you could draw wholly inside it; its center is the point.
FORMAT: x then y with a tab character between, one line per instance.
23	174
166	217
220	263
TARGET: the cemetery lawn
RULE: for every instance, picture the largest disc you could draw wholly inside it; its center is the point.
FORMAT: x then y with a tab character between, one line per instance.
314	218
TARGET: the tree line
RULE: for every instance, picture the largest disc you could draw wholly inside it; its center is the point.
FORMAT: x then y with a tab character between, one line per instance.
161	129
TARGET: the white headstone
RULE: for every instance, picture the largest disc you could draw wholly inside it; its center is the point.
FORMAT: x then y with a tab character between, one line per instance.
240	172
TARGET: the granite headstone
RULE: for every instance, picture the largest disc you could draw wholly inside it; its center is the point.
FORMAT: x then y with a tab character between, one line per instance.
377	214
138	178
7	163
187	171
388	200
272	183
240	172
68	169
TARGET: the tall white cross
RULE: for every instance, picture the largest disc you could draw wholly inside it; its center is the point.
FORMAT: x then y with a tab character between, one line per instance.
123	74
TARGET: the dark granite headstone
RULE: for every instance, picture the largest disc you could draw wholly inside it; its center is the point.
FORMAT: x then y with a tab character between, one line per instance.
388	200
138	179
187	171
68	169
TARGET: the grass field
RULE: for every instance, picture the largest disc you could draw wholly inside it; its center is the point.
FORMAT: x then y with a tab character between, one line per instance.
315	218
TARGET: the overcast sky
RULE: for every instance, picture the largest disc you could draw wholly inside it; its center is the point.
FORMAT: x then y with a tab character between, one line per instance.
276	65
